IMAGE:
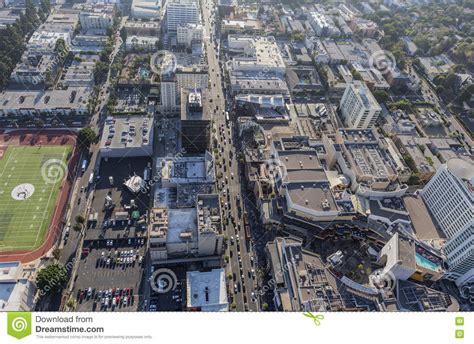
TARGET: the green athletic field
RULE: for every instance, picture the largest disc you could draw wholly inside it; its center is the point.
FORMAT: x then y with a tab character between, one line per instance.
30	180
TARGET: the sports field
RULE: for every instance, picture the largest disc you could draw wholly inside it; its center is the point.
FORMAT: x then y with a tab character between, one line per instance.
30	180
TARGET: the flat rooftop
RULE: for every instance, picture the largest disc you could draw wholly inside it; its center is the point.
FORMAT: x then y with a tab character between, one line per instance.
207	290
312	195
423	225
72	98
127	132
305	175
366	154
299	159
182	170
182	225
406	252
209	215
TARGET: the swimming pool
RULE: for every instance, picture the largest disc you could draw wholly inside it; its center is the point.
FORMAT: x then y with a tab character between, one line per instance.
426	263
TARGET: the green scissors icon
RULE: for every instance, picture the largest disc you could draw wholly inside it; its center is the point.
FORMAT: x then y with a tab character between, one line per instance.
316	317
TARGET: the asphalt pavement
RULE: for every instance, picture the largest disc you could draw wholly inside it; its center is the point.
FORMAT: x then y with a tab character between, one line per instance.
240	252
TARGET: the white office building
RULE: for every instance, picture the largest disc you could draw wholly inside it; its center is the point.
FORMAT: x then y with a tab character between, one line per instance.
261	55
44	42
449	197
188	34
179	12
358	106
460	254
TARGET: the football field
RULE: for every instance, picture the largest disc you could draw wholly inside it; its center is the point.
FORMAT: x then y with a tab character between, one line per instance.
30	181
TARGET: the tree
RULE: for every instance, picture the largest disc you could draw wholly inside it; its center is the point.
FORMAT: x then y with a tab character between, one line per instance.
123	34
52	278
381	96
80	219
265	306
77	227
86	136
71	303
414	179
56	253
297	35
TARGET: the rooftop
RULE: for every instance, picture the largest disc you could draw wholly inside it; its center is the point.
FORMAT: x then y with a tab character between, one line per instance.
182	226
127	131
368	158
187	169
299	159
209	215
207	290
312	195
72	98
461	169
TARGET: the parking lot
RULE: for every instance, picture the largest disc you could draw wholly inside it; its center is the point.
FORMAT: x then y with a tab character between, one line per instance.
175	298
107	224
105	274
112	260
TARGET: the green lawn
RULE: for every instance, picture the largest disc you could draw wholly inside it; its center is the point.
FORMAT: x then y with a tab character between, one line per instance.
30	180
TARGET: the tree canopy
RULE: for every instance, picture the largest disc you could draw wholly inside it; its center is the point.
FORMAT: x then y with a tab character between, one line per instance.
13	38
52	278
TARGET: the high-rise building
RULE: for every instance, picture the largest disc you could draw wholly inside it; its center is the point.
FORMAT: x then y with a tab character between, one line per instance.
195	123
449	197
460	254
183	79
181	12
358	106
168	95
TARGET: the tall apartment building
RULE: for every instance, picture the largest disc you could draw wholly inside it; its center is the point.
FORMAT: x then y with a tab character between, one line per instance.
168	95
449	197
358	106
180	12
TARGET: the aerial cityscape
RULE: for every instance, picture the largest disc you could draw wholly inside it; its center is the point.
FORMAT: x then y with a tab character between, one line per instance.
237	155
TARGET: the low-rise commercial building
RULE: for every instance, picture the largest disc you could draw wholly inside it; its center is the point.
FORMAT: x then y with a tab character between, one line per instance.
73	101
127	135
364	158
142	43
17	291
206	291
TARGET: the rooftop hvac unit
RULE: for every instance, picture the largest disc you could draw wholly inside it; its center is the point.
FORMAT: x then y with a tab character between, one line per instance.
325	204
